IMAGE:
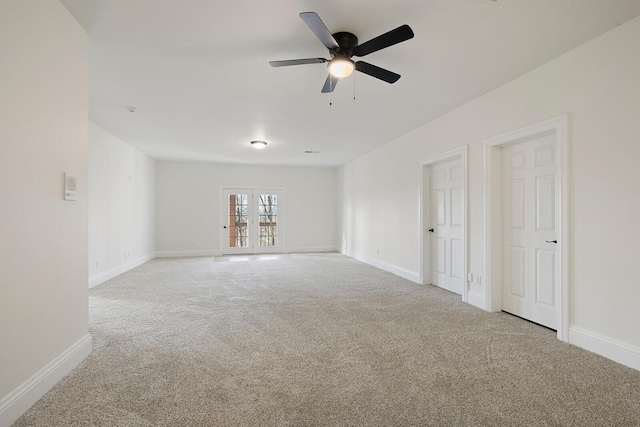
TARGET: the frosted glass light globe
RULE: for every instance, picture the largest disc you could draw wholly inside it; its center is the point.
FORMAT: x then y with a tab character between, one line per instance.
341	67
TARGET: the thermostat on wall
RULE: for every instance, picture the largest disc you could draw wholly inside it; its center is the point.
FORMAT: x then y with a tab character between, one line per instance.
70	185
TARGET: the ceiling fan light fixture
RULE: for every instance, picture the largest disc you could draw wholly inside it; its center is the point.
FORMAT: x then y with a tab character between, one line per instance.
342	46
259	145
341	67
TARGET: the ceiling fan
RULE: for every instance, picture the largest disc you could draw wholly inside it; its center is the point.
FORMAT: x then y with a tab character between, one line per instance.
342	46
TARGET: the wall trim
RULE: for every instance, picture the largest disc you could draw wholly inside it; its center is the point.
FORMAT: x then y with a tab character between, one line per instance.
103	276
477	300
615	350
398	271
28	393
187	254
310	249
215	252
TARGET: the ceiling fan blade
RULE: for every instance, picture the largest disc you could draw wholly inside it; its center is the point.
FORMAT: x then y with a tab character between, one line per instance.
288	62
330	84
377	72
319	29
398	35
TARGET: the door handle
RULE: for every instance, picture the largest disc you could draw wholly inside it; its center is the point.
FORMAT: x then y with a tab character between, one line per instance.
551	241
431	230
224	226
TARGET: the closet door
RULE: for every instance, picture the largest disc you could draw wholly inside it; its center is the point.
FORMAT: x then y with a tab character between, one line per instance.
447	228
530	237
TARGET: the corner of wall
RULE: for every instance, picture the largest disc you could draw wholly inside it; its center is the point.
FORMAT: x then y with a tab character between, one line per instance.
398	271
28	393
122	189
103	276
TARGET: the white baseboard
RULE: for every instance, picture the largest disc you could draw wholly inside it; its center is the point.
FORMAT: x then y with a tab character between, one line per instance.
309	249
212	252
103	276
398	271
186	254
26	395
617	351
477	300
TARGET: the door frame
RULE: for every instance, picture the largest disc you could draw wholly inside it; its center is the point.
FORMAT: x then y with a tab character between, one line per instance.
493	197
222	214
425	214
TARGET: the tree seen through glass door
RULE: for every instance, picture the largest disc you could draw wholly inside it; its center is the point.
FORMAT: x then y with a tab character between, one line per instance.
238	220
268	217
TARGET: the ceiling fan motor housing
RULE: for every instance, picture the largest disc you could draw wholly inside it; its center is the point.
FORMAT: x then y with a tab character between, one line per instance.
347	43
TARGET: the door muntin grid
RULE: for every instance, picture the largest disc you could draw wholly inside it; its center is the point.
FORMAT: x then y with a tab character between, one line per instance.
268	220
238	220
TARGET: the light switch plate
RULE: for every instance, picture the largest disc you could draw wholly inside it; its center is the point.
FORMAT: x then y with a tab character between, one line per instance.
70	187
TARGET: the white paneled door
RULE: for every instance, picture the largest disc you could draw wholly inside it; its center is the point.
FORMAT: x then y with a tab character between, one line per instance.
447	225
529	230
251	221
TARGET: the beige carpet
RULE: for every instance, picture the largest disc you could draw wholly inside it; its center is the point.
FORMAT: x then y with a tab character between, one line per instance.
321	340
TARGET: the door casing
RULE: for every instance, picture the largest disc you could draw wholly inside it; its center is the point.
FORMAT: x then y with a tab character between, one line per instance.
493	213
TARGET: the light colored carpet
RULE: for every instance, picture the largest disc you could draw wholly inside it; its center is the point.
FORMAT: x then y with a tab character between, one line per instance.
320	340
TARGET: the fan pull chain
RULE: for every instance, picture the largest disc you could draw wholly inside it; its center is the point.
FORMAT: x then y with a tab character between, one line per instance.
354	86
330	86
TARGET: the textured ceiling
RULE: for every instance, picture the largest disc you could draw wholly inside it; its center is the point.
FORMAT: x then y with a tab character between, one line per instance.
197	71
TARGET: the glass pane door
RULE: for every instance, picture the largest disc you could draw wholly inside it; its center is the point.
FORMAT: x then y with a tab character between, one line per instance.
268	216
238	220
252	221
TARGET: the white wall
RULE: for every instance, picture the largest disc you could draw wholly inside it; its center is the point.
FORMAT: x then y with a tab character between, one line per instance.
598	85
188	206
122	211
43	239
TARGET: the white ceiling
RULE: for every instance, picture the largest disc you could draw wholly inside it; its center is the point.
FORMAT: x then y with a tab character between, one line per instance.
197	70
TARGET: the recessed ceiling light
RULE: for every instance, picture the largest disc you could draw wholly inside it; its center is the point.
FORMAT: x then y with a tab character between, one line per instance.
259	144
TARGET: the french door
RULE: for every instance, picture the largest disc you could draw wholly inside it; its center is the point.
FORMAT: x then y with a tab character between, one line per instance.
251	220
